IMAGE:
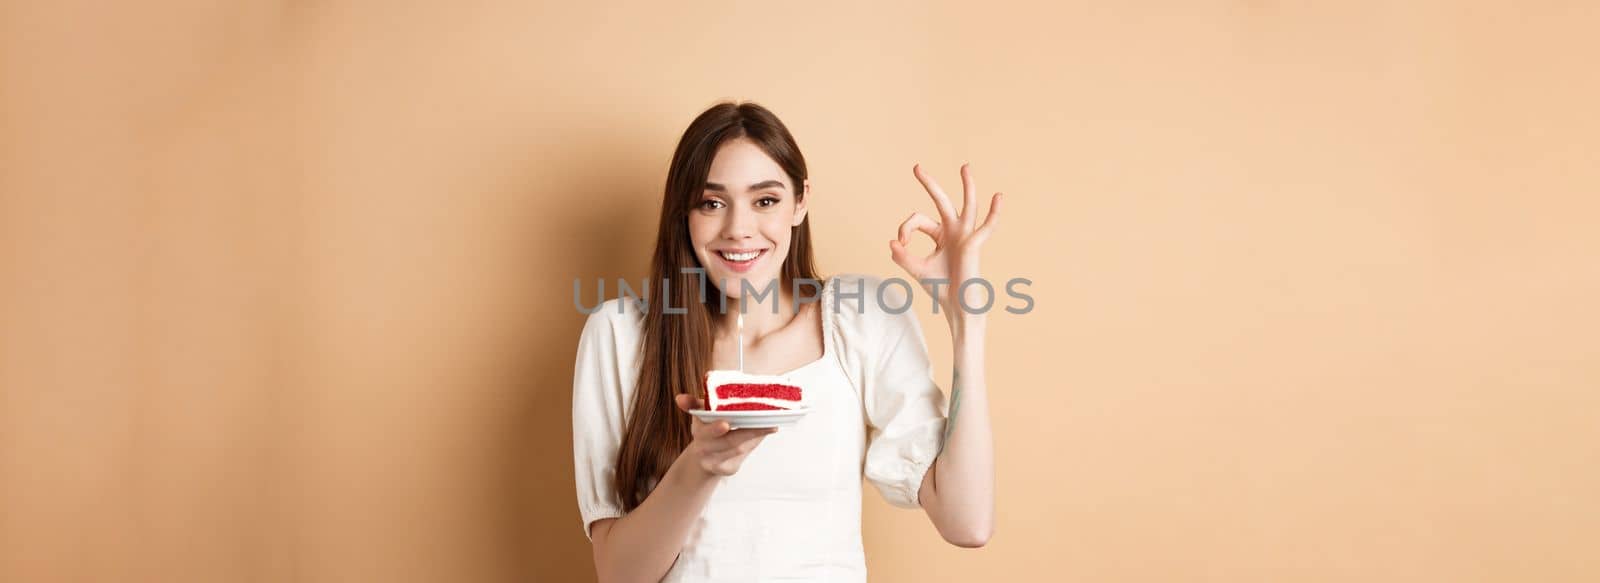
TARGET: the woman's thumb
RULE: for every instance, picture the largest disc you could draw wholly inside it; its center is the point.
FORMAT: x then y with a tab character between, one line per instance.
686	402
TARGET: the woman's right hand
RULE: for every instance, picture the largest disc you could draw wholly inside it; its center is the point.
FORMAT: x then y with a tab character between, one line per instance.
717	448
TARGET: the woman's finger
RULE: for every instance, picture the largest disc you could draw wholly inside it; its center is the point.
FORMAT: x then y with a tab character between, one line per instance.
989	222
734	440
941	201
709	431
902	256
749	446
756	436
969	198
684	401
920	222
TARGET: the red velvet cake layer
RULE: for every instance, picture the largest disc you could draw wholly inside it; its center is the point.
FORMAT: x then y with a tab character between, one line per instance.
750	407
749	390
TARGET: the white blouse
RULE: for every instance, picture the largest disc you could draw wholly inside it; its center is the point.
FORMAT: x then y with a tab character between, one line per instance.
793	511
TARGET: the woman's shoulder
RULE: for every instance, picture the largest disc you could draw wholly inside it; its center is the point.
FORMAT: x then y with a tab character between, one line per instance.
871	316
863	307
868	298
618	319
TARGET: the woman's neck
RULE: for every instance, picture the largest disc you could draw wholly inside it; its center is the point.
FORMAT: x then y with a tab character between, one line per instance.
760	317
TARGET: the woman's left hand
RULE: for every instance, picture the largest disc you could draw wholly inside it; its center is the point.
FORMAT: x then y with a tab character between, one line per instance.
957	240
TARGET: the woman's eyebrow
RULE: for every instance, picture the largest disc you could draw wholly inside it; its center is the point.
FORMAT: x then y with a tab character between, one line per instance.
757	186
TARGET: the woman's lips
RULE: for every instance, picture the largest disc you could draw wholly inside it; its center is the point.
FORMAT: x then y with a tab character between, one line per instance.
740	266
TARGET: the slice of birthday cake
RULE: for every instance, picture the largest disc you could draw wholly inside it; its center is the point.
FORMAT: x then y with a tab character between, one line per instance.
731	390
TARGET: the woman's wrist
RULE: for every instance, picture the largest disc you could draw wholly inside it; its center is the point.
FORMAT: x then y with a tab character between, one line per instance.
690	470
966	324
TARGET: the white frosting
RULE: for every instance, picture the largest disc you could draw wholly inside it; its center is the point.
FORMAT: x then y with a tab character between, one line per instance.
718	378
779	403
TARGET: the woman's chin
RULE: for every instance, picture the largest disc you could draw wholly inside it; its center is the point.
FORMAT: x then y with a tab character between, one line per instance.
755	287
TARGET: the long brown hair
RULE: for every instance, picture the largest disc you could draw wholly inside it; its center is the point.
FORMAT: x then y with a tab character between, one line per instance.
676	348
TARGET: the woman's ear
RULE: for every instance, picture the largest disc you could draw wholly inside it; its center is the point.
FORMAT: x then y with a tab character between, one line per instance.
800	205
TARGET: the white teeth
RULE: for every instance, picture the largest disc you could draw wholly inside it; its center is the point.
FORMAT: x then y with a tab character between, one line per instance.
746	256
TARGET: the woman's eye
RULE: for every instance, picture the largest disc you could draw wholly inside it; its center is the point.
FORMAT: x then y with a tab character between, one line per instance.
711	204
766	202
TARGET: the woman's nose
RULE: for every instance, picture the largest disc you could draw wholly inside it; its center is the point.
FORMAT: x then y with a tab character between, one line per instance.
740	224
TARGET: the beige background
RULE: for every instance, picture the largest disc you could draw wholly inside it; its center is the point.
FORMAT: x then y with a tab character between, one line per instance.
285	290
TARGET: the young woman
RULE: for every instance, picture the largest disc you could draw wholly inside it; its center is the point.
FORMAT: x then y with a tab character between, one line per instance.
666	497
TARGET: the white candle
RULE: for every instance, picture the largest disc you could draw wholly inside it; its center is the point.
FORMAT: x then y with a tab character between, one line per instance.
741	340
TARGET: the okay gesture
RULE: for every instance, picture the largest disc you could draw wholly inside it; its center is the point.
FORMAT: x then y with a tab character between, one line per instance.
957	241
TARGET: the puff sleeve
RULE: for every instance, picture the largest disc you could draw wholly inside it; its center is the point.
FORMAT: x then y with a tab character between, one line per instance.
600	387
904	407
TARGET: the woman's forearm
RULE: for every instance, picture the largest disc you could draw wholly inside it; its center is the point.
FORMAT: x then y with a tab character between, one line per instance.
962	481
643	545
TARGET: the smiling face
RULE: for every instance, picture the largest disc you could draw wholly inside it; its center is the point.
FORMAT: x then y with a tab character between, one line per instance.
742	225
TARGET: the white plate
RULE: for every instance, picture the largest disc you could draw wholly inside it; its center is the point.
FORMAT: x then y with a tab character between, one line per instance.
752	419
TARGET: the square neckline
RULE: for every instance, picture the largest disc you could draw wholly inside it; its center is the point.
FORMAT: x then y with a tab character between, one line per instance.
827	332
